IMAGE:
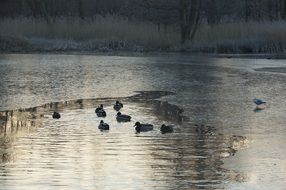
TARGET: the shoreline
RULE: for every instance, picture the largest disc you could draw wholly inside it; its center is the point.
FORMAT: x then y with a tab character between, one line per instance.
274	56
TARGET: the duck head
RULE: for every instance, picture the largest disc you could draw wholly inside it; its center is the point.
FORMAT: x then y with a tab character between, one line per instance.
137	124
137	127
119	113
101	121
117	102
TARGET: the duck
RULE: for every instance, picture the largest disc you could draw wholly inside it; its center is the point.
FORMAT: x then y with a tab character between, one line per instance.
122	118
143	127
118	105
100	111
103	126
99	108
166	129
56	115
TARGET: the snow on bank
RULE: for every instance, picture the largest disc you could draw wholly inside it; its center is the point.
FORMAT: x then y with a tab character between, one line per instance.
10	44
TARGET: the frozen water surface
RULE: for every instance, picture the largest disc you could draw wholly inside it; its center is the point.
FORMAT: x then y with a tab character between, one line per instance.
219	140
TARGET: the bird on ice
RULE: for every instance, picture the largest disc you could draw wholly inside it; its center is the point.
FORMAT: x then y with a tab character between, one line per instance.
260	104
258	101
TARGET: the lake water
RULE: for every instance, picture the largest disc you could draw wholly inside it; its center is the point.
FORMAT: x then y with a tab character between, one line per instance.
219	142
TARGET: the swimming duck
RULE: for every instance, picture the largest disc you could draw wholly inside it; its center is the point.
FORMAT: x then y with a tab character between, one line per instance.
100	111
143	127
166	129
56	115
118	105
122	118
99	108
103	126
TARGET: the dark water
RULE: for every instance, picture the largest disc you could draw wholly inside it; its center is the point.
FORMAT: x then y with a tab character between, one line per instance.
219	142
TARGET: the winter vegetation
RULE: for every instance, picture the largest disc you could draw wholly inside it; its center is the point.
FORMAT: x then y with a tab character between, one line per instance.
250	37
101	33
211	26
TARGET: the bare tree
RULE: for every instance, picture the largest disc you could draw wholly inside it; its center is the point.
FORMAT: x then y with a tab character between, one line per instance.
44	9
189	18
188	15
185	14
80	9
283	9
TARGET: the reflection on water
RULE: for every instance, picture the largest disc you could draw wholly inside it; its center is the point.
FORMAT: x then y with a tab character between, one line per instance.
72	148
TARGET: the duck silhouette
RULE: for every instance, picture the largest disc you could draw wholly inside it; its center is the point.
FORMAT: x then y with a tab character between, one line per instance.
103	126
143	127
118	105
122	118
100	112
166	129
56	115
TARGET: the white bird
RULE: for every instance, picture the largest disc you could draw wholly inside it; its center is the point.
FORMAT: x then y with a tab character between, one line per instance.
258	101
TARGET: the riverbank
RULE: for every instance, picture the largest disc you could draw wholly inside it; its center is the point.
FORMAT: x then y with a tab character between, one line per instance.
116	34
15	46
148	53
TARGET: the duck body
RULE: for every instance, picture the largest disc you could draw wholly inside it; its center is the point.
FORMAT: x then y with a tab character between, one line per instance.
103	126
56	115
166	129
99	108
143	127
122	118
100	111
117	106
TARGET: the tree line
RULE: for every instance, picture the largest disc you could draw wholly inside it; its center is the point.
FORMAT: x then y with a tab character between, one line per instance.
187	14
